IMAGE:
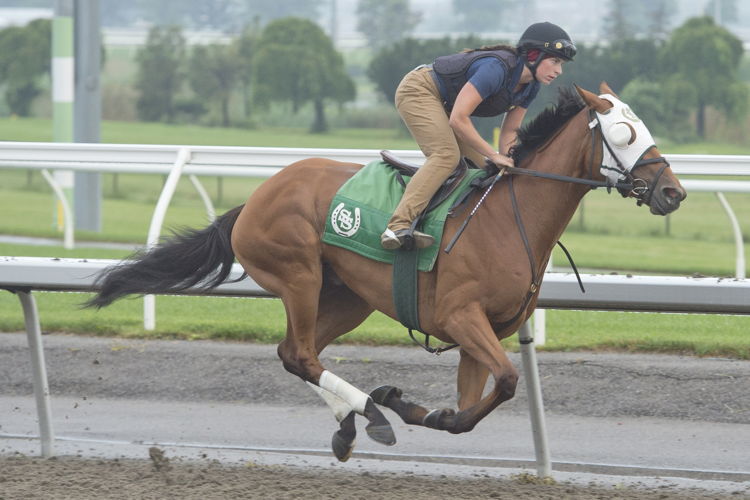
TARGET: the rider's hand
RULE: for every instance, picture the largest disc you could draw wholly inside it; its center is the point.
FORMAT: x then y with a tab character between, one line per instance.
501	160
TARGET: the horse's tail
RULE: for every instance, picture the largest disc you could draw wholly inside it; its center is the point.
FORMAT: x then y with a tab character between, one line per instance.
189	257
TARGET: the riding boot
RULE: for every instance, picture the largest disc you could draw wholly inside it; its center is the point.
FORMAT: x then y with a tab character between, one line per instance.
406	239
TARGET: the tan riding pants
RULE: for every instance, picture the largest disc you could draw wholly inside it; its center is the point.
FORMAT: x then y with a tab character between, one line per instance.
419	103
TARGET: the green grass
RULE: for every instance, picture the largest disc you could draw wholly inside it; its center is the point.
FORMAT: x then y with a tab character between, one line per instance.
262	320
695	334
256	320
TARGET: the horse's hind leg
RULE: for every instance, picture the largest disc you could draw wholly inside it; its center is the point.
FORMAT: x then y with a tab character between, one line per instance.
299	354
283	255
339	311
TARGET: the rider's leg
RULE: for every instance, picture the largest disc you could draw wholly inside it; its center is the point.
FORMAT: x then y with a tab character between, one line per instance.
420	106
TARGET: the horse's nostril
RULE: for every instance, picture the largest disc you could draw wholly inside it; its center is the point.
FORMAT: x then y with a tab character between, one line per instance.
673	194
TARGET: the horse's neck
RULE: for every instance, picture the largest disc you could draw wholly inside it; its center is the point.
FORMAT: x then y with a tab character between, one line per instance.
550	203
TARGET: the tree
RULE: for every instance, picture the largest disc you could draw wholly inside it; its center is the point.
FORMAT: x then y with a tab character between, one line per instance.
295	61
707	56
663	105
489	15
160	75
24	59
213	75
384	22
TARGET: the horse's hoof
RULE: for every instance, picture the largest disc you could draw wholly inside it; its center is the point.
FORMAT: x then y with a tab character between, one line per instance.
434	419
379	429
382	433
382	394
342	447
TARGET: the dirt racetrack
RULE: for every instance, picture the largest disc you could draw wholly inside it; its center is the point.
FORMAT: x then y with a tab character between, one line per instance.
71	478
586	384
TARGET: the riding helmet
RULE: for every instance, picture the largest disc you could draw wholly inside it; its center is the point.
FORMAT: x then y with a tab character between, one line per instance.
549	38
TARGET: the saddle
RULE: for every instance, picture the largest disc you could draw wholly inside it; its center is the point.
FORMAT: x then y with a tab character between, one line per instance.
451	183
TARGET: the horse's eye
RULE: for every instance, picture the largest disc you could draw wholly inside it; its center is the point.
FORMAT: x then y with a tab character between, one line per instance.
621	134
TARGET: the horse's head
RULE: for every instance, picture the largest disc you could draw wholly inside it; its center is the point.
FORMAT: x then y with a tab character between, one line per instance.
629	153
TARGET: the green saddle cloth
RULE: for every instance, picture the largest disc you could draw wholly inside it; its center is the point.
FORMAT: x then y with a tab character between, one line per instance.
363	205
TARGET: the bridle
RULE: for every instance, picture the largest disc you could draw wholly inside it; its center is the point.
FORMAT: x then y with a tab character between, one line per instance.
625	140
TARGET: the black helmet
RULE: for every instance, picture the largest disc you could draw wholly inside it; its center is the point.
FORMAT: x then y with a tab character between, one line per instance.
548	38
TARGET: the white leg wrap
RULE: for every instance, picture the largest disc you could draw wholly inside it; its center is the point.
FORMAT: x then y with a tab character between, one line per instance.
340	407
344	390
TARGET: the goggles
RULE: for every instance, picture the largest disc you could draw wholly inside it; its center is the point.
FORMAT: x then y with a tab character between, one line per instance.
563	48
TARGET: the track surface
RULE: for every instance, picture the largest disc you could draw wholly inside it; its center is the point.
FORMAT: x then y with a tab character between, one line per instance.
213	408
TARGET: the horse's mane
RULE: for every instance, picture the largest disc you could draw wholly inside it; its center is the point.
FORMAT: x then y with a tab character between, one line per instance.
540	129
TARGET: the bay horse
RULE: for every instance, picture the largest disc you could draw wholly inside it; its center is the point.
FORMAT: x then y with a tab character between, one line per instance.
476	295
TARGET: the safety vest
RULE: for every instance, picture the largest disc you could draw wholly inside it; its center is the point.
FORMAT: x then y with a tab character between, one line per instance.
452	72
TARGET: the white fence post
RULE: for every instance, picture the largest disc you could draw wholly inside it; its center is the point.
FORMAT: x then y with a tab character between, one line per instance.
68	223
739	263
39	371
183	156
536	403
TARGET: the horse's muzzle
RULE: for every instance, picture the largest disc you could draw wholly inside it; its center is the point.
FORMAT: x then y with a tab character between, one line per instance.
667	199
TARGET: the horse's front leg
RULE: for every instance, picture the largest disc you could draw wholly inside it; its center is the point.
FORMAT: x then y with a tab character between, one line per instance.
481	354
472	377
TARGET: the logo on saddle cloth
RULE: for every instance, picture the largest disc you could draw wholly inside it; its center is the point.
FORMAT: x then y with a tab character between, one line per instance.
345	223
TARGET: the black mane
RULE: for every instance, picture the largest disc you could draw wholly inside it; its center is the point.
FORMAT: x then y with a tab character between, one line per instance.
546	123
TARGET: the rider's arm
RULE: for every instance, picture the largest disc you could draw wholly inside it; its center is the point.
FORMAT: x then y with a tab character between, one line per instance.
509	130
460	121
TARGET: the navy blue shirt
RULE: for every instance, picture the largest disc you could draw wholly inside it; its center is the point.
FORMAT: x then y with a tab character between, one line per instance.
489	75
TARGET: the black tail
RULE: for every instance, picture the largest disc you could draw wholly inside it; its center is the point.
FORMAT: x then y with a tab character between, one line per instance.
187	258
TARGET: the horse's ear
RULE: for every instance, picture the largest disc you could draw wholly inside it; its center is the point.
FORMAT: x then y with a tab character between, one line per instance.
593	101
604	89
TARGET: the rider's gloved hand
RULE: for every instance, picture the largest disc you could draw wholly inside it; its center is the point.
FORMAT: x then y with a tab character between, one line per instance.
501	160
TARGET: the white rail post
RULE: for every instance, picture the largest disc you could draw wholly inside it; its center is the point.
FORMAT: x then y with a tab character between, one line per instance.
536	404
739	262
157	220
39	371
68	223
